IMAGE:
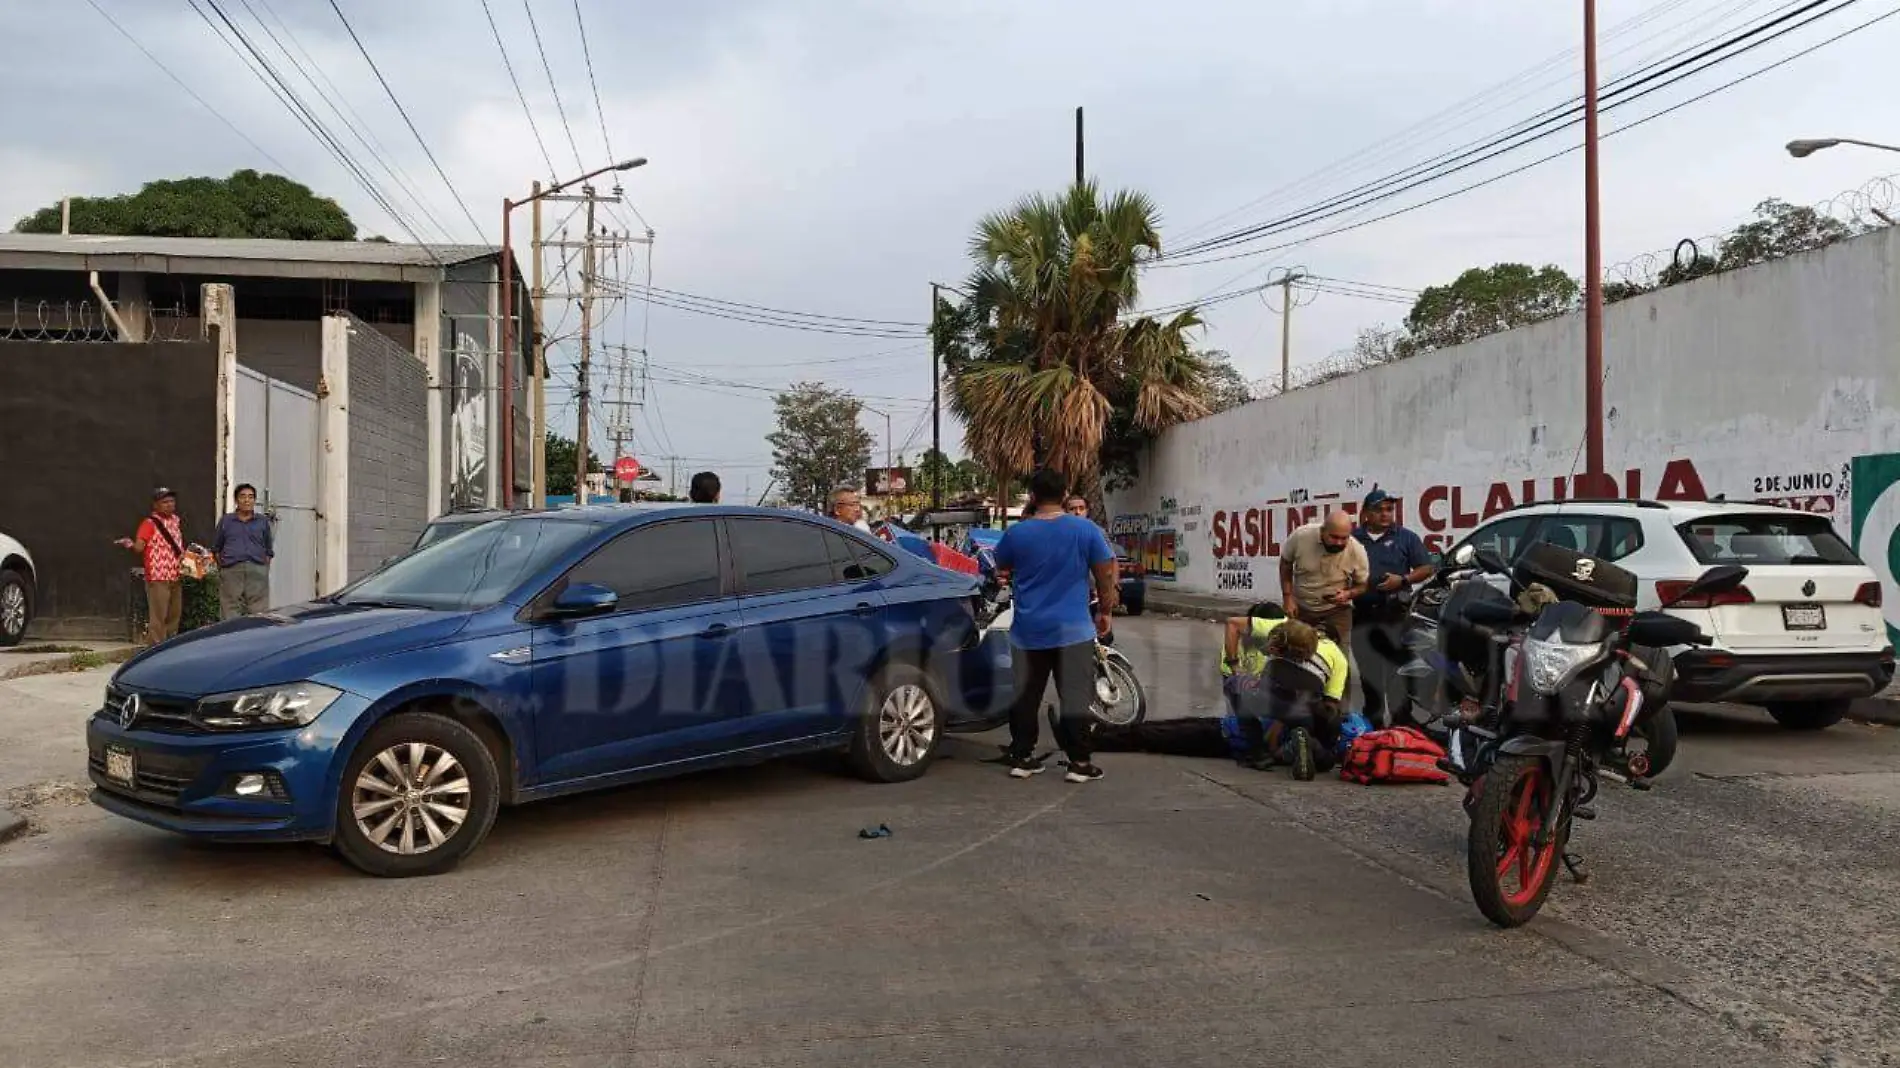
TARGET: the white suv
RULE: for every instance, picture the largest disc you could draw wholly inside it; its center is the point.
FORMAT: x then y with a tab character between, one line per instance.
16	591
1803	638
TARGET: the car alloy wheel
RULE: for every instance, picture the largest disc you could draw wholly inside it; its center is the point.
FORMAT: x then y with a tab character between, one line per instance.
12	609
411	798
907	724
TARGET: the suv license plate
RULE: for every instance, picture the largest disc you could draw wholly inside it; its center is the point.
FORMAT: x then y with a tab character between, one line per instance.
121	767
1803	617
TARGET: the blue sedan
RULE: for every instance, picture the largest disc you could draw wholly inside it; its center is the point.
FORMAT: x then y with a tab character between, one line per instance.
541	655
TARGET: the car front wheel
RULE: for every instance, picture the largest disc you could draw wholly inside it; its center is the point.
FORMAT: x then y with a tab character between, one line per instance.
901	726
1809	715
418	795
16	607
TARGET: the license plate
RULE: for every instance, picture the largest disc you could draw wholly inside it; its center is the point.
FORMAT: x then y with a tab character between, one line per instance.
1803	617
121	766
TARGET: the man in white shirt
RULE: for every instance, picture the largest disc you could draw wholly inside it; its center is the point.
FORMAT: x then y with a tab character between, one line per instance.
846	508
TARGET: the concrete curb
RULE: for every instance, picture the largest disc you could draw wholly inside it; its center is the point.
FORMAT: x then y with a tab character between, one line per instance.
53	663
12	824
1884	711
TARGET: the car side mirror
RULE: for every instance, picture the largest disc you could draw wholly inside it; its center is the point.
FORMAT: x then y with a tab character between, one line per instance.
583	599
1463	556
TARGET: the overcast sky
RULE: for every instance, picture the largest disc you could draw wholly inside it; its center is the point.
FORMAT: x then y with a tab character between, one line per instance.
832	156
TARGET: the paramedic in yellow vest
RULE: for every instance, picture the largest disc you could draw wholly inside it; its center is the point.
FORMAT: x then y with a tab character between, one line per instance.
1251	641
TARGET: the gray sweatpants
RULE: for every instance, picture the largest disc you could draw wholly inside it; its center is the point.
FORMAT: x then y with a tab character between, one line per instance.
243	589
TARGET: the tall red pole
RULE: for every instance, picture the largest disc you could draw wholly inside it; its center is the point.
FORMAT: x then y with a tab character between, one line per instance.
1592	265
506	361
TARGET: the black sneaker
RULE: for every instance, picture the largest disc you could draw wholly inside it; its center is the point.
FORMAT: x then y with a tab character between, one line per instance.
1082	773
1302	755
1260	761
1022	767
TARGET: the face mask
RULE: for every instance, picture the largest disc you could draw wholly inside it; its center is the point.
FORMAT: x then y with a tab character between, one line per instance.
1333	548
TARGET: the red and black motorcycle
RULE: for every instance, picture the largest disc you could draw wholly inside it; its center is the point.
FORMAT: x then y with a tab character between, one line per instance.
1576	690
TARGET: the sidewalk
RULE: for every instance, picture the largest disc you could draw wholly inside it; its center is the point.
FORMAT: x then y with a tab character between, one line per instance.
1883	708
43	741
46	657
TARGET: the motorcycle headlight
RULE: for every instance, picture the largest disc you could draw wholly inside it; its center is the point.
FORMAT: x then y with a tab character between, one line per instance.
1549	665
291	705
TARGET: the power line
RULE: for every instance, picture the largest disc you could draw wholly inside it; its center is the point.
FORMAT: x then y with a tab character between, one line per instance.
261	68
599	112
1725	86
760	308
404	112
1374	194
189	91
1530	130
781	322
519	95
339	104
559	108
1399	141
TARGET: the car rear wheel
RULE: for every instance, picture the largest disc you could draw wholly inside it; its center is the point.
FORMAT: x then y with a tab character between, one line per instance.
901	726
419	794
1809	715
16	607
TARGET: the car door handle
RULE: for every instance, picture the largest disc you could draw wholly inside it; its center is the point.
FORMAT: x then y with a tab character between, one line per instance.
864	608
715	630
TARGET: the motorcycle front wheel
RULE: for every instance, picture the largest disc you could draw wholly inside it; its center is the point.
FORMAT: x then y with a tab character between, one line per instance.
1659	733
1510	875
1119	699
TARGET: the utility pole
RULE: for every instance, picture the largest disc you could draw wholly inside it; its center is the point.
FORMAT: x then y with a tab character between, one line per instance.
538	381
581	391
1592	266
1286	330
936	406
627	393
1078	146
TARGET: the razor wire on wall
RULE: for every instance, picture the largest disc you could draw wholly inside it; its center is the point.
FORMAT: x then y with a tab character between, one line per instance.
85	321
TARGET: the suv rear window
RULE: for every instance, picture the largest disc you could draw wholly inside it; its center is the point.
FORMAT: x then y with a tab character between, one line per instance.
1765	539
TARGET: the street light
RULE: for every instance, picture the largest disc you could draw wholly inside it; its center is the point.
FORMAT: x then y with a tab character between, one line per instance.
508	328
1802	149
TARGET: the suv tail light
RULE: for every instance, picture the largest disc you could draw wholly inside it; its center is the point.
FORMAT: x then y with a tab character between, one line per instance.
1868	594
1669	589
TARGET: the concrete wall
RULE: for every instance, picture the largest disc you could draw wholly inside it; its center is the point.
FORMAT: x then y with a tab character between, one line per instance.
86	431
388	448
1778	383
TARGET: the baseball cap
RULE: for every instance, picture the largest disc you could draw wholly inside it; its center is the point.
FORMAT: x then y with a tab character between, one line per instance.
1378	497
161	493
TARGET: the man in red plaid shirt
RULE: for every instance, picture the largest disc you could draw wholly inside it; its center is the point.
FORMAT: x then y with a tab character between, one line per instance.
160	543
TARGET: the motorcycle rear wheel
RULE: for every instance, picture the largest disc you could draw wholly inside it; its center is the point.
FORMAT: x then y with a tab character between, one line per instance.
1120	700
1510	876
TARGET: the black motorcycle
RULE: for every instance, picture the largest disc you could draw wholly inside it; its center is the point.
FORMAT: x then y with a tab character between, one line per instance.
1569	690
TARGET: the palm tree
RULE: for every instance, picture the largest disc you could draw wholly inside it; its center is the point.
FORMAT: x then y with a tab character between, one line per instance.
1049	357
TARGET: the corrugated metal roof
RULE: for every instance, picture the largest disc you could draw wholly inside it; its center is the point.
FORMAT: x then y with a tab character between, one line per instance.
377	253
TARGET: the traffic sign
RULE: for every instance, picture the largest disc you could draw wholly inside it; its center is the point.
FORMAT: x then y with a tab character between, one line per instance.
626	469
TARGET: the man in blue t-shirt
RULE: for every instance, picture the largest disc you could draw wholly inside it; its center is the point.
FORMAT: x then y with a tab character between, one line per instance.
1049	558
1397	561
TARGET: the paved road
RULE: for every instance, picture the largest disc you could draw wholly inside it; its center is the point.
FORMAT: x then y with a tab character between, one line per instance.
1177	913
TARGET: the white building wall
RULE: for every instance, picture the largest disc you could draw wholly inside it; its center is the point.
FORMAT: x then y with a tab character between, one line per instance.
1766	383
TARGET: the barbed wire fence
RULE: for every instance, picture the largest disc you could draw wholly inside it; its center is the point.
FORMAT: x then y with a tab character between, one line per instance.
84	321
1873	205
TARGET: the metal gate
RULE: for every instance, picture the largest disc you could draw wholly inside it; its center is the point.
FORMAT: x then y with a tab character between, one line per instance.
276	450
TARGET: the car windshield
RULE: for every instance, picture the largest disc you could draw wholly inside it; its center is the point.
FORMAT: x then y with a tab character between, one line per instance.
475	569
1766	539
447	528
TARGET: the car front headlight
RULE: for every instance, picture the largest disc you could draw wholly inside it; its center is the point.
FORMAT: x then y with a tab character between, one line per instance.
291	705
1550	664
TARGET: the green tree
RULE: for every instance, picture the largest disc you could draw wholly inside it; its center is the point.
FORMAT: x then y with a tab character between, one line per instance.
1043	363
1226	387
561	456
1486	300
247	204
818	445
960	478
1779	229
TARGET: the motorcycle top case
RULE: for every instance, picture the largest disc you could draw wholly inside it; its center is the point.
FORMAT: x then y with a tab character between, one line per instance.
1578	577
